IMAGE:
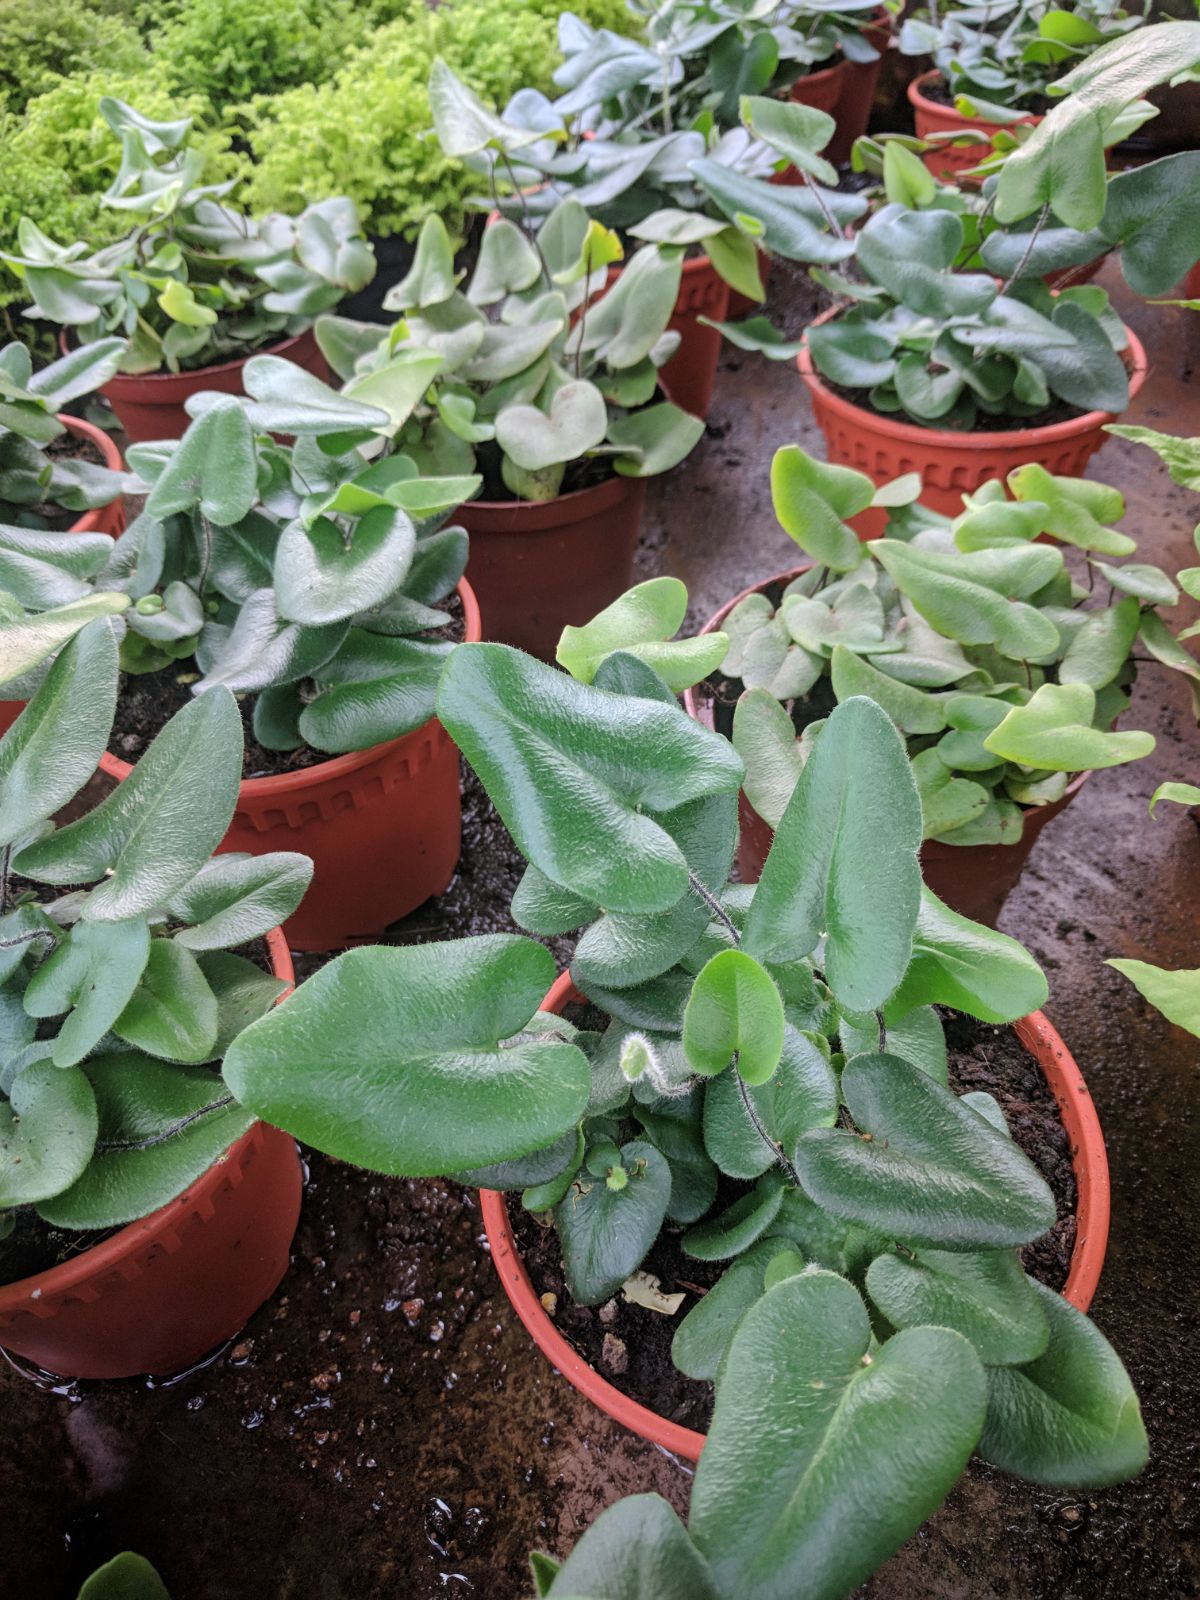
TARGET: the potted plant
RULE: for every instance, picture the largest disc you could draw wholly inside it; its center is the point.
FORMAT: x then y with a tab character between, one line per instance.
996	66
998	666
638	174
767	1073
50	477
144	1213
549	393
825	57
309	578
196	285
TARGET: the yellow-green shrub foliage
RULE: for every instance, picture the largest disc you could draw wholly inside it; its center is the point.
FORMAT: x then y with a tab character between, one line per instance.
366	132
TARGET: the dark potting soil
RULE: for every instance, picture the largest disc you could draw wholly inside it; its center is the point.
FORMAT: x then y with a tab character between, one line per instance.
941	91
35	1245
630	1345
147	701
587	473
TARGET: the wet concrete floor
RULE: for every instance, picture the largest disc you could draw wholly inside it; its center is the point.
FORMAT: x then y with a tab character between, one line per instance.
384	1427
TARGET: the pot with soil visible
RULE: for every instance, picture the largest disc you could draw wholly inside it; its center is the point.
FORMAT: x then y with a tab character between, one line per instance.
698	1104
1057	1126
382	826
197	284
153	405
147	1214
93	443
934	113
540	566
874	619
953	464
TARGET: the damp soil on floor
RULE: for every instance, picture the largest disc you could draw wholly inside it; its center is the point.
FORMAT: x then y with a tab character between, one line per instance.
631	1345
146	702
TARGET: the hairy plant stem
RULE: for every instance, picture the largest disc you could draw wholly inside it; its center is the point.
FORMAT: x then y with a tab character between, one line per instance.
103	1147
756	1123
526	220
1028	251
715	906
29	937
5	864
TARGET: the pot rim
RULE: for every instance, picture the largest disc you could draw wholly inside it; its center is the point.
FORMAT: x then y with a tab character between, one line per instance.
1089	1161
537	516
943	438
949	112
126	382
286	783
89	521
136	1235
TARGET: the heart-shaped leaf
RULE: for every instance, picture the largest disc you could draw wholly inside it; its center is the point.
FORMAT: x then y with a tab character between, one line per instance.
801	1094
844	861
734	1016
986	1297
636	1549
236	898
172	1012
1054	731
213	468
1069	1419
970	596
931	1171
392	1058
963	965
324	575
813	499
92	975
576	423
605	1231
573	770
820	1462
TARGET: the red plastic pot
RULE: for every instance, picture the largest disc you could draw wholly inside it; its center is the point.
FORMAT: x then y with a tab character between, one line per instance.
974	880
949	161
383	827
108	519
151	405
166	1290
951	464
858	88
1088	1158
538	565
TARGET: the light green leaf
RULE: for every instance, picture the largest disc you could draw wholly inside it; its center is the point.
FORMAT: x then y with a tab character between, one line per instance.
963	965
734	1015
1175	994
1054	731
844	861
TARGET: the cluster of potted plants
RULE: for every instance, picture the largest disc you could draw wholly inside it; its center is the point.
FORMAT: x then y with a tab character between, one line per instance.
755	1080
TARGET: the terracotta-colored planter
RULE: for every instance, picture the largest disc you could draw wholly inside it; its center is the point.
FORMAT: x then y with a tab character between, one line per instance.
1088	1158
382	826
538	565
151	405
688	377
949	161
166	1290
974	880
858	88
108	519
951	464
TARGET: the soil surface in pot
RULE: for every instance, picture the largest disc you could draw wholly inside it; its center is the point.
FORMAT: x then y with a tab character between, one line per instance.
631	1345
940	91
411	1437
147	701
48	514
